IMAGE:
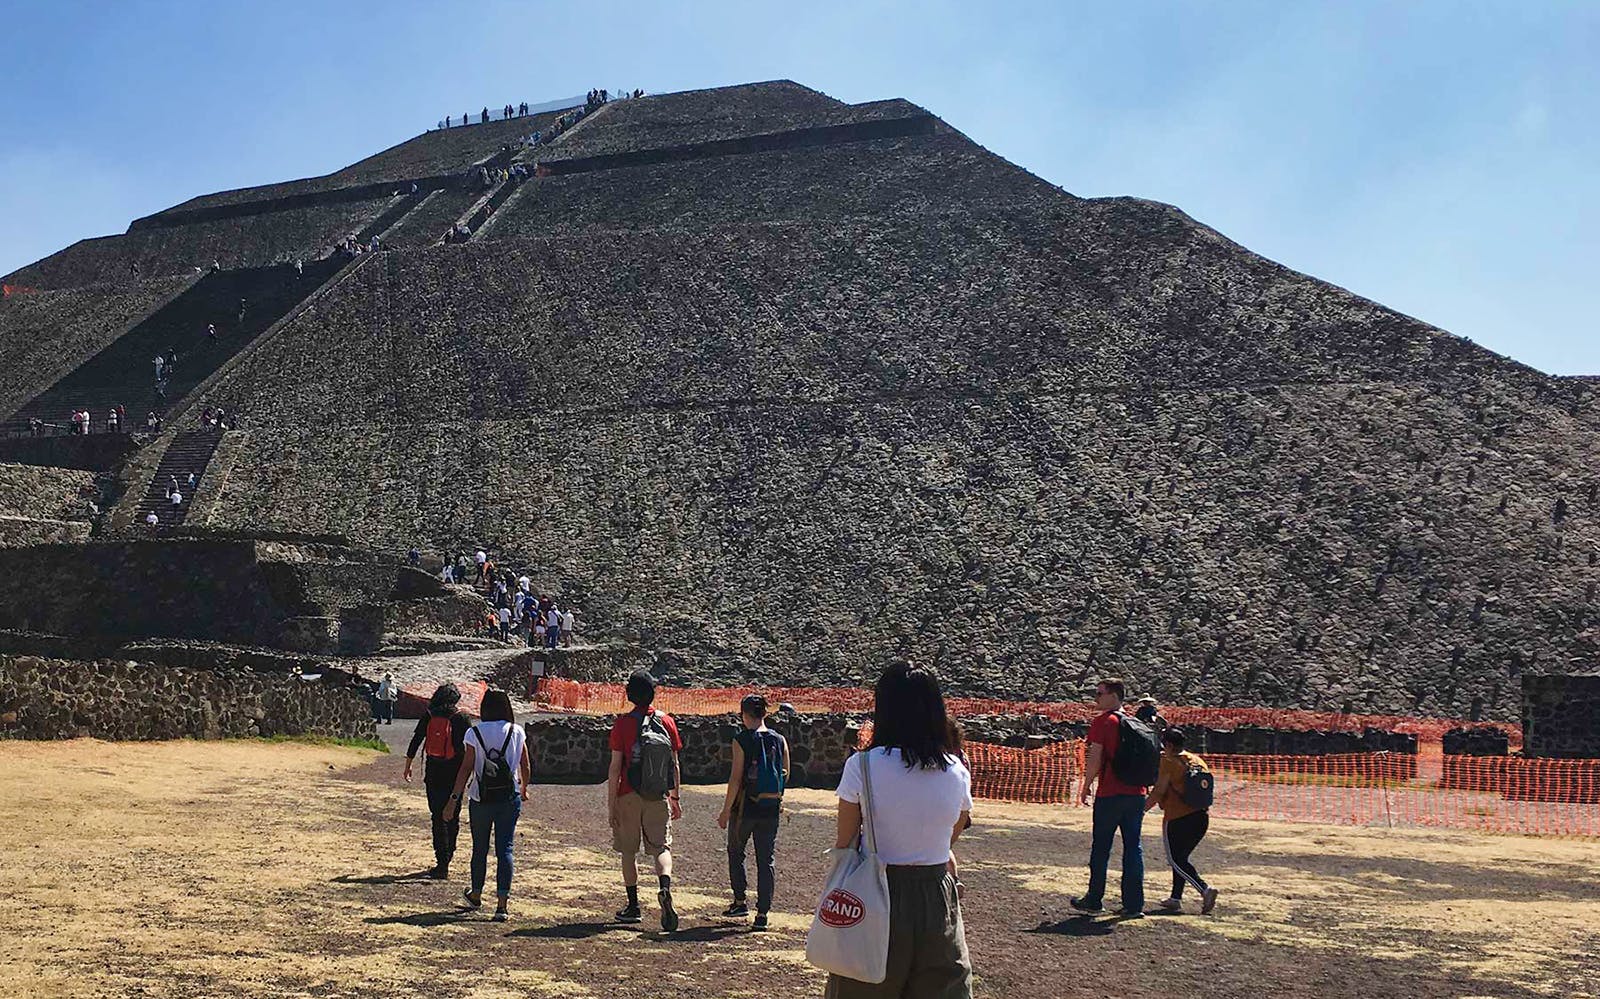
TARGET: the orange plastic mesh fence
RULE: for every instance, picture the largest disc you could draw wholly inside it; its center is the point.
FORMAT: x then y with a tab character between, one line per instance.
604	698
1384	790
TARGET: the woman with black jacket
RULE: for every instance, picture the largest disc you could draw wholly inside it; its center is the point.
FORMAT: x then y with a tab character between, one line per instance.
439	735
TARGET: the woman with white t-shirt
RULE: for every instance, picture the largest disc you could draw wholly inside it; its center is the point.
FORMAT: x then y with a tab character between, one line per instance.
921	800
494	775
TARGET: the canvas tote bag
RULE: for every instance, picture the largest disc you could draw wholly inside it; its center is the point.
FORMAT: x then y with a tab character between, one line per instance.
850	930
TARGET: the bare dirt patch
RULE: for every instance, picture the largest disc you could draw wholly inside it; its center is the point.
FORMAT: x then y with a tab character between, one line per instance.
241	868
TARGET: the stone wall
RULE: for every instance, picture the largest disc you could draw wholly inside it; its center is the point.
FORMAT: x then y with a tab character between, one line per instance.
304	597
60	699
90	453
572	749
1561	716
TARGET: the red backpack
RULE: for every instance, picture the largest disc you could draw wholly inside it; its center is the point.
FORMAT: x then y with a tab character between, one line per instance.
439	745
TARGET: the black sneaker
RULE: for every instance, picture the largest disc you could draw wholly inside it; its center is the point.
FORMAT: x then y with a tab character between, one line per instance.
1084	905
760	922
669	915
472	901
739	909
1128	912
439	873
629	914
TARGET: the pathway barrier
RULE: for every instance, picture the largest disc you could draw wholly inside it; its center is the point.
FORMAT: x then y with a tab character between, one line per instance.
604	698
1501	794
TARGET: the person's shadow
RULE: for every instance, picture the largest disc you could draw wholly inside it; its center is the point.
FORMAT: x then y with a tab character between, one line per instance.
383	879
573	931
1080	926
442	918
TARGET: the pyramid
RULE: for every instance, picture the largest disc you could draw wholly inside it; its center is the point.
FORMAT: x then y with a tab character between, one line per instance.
780	389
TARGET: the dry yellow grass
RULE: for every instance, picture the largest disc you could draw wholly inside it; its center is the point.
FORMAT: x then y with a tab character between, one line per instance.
241	868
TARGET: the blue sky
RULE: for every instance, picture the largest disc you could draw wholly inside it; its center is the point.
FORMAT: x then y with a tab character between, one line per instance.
1440	157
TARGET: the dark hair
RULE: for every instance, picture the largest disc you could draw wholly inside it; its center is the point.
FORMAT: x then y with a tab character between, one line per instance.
497	707
641	689
754	705
444	700
1174	736
1115	686
908	714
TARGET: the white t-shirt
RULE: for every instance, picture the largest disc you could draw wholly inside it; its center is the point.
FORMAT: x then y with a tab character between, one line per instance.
505	615
492	734
481	557
913	811
552	618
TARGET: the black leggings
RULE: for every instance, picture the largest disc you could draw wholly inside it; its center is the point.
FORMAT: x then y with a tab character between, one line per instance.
1182	836
439	789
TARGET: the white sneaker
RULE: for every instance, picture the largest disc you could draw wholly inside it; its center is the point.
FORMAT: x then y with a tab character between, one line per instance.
1171	905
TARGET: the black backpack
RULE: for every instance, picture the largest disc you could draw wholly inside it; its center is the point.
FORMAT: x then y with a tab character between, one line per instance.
495	782
1138	756
1199	786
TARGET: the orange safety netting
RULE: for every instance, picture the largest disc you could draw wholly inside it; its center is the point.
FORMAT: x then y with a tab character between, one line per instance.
1383	790
604	698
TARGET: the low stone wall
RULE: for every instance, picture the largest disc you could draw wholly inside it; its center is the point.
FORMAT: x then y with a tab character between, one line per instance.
572	749
1561	715
18	532
65	699
89	453
1032	731
1476	740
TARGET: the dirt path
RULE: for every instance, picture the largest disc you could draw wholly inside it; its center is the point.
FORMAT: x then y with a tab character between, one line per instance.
243	868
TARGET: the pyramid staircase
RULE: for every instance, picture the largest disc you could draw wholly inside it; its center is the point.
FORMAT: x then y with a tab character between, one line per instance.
189	452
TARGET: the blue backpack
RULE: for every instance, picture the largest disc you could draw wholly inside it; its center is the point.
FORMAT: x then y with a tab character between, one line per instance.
763	767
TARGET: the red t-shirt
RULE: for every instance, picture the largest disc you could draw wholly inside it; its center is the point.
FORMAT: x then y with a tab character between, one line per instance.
625	732
1105	732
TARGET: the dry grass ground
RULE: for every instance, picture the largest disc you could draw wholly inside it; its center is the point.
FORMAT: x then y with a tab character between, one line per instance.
239	868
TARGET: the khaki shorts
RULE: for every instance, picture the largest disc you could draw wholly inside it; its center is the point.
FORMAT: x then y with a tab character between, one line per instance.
642	827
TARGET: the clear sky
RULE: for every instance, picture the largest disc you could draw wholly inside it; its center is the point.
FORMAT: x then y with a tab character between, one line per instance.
1440	156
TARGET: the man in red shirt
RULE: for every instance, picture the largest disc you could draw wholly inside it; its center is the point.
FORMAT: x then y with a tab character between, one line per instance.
639	822
1117	805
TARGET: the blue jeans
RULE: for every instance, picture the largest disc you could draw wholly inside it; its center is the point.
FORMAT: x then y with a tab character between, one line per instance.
502	817
1115	812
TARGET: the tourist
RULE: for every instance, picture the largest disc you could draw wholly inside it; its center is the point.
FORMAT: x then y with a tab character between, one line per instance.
568	619
1183	820
503	615
177	500
482	558
759	774
1118	804
152	519
440	734
552	626
494	774
642	796
152	422
383	701
921	801
1149	712
211	332
113	421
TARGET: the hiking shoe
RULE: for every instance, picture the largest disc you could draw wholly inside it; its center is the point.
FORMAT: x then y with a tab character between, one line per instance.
500	913
1208	901
629	914
669	915
439	873
1084	905
1171	905
739	909
1127	912
473	901
760	922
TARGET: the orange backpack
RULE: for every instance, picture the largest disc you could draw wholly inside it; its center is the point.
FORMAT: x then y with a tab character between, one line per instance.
439	745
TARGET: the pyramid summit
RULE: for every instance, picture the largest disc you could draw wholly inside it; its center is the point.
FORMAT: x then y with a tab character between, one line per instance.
780	388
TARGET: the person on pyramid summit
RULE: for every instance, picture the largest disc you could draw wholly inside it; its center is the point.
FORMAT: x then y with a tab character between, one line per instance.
439	735
642	795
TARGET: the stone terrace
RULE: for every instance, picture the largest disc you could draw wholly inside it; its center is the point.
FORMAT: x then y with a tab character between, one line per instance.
46	334
433	153
902	177
38	493
247	241
723	113
1095	295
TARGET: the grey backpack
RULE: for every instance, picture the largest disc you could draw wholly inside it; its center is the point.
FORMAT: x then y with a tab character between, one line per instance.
650	769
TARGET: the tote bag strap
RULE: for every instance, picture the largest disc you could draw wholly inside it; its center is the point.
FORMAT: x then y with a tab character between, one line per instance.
866	802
